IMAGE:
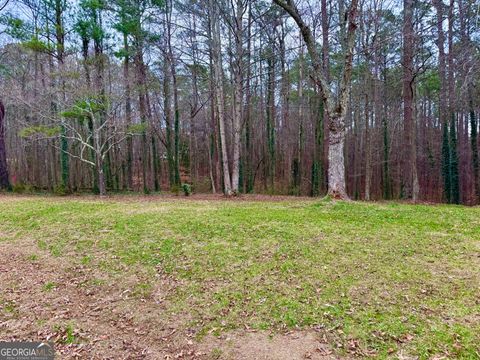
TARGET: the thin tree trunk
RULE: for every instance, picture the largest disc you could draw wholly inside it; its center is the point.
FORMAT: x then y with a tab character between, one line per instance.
4	182
300	137
176	106
210	158
271	122
101	179
238	95
248	156
218	92
368	166
454	134
167	105
142	102
60	45
128	113
323	152
410	179
99	160
100	91
443	100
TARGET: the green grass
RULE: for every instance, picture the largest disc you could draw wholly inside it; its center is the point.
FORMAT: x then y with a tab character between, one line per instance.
392	277
49	286
66	332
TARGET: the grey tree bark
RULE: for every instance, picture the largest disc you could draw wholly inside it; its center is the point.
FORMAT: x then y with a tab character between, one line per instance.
336	105
215	48
99	159
238	94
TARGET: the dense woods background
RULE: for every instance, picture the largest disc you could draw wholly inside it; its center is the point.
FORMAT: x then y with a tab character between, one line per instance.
147	95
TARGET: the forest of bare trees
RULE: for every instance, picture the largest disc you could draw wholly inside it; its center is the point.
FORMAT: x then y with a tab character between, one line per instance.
366	99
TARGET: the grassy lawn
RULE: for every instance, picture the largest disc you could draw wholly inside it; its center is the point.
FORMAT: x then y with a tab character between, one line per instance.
381	280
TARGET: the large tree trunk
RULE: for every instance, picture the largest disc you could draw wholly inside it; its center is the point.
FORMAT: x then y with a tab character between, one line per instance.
336	105
4	182
336	170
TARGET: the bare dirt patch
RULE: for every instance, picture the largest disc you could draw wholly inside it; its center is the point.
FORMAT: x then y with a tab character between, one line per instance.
84	313
294	345
93	316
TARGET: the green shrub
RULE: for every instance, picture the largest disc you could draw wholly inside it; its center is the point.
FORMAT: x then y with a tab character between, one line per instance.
60	190
21	188
18	188
175	189
67	333
187	189
294	190
49	286
203	186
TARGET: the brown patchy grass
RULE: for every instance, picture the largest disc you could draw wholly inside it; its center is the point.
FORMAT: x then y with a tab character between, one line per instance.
200	278
90	313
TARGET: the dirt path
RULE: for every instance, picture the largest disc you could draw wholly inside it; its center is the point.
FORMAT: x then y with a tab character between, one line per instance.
91	316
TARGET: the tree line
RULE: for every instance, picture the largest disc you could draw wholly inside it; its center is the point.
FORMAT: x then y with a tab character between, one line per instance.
367	99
